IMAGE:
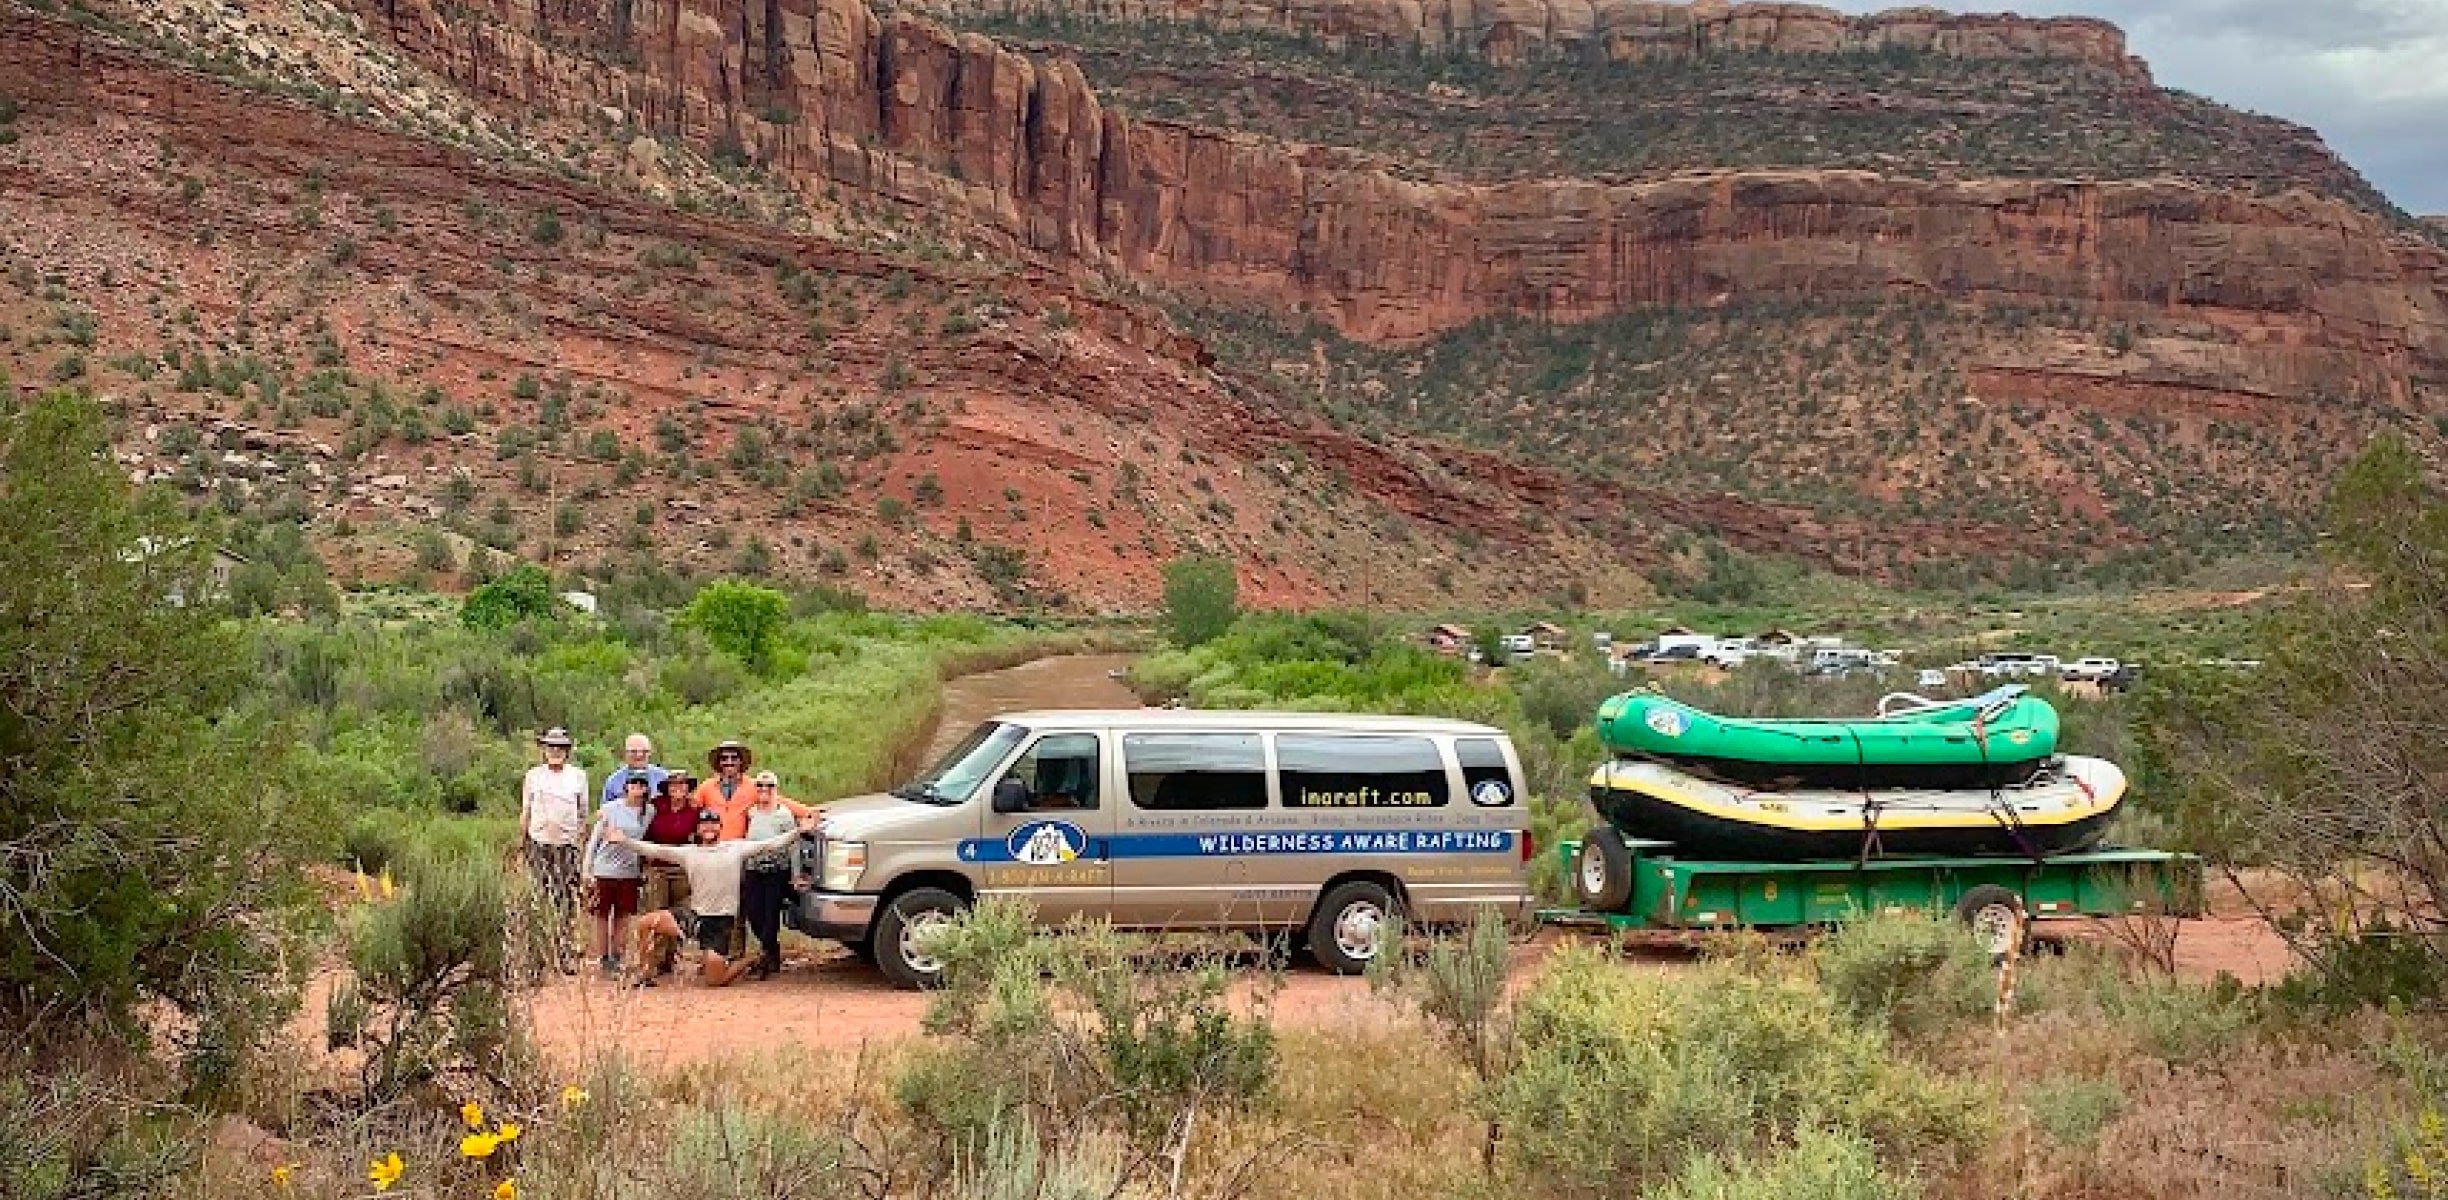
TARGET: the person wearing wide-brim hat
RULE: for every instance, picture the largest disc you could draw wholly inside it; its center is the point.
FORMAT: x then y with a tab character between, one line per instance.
552	820
726	787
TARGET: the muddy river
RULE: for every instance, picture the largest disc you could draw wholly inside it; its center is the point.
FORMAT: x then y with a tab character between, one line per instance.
1067	681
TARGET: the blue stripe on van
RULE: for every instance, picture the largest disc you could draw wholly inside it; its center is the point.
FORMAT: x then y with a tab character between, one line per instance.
1269	841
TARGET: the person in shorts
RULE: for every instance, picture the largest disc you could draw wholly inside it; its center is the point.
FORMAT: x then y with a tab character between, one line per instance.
712	914
613	872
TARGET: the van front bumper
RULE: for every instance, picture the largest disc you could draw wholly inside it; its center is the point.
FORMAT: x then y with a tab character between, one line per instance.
843	917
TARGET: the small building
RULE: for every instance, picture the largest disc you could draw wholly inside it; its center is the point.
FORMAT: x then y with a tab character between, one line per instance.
1449	639
1547	635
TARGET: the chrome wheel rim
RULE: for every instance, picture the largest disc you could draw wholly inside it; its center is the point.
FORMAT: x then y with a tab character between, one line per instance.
915	929
1358	928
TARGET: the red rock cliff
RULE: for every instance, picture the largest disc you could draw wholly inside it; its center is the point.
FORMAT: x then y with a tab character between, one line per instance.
1617	30
826	91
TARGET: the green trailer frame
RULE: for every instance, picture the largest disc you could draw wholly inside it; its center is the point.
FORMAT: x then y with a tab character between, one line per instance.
1686	895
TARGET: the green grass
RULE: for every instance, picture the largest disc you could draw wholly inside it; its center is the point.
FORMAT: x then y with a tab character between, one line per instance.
420	728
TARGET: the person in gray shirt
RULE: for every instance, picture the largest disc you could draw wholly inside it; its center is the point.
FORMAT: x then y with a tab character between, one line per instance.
614	876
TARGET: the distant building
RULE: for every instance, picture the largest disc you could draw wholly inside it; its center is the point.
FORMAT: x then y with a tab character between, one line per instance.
218	570
1547	635
1449	639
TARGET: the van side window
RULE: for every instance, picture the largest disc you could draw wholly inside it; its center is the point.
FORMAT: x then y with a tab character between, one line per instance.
1484	772
1061	772
1191	771
1354	771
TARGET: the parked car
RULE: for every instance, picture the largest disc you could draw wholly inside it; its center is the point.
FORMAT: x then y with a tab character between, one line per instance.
1930	677
2015	665
2123	678
2091	669
1520	645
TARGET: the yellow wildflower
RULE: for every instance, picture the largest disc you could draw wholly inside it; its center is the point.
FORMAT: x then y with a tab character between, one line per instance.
389	888
365	886
506	1190
509	1132
573	1096
479	1145
386	1171
282	1174
472	1113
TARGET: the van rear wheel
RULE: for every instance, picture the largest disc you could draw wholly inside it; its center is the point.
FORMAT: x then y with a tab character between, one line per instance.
1350	926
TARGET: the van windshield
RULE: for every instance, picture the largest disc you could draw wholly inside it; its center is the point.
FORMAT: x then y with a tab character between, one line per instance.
959	771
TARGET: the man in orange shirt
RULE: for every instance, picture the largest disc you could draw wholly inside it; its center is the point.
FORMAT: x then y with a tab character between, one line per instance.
728	793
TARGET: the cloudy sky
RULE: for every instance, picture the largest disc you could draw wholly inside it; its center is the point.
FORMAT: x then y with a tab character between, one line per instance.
2370	75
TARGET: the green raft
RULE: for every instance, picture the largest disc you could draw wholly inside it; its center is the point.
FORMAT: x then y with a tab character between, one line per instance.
1999	739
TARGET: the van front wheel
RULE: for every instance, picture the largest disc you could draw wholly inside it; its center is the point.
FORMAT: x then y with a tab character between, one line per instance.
1350	926
902	927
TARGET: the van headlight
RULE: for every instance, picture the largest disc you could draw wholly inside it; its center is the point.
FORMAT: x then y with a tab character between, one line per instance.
844	862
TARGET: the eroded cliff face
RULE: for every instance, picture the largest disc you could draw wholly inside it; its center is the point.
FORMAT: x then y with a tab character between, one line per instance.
2290	291
1507	31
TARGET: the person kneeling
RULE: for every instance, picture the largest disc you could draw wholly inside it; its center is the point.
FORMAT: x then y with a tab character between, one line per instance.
713	868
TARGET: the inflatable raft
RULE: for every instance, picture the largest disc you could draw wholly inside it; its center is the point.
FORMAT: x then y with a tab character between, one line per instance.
2062	807
1999	739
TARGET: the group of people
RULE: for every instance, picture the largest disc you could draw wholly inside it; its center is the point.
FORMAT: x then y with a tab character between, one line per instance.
665	856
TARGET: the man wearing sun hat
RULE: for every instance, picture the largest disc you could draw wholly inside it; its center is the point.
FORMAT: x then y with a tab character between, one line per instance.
732	788
553	813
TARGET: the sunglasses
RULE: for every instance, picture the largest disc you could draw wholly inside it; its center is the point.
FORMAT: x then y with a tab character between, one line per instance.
767	787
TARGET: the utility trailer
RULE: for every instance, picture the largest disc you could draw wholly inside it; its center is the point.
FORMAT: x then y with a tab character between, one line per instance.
1670	895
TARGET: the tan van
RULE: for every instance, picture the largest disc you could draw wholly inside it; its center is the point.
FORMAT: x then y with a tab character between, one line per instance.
1315	824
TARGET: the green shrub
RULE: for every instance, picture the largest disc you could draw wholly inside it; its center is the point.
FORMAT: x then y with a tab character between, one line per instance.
741	619
1620	1076
1152	1039
2073	1110
1820	1165
1916	973
1201	597
426	971
70	1135
525	593
2182	1022
134	817
730	1151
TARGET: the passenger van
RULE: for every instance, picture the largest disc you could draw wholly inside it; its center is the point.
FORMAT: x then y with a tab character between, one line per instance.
1319	826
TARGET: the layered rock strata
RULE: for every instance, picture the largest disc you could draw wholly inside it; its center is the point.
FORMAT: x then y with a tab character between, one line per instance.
2305	290
1508	31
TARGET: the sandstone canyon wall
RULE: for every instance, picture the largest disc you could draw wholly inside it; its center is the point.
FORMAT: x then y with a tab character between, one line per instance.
1615	30
832	94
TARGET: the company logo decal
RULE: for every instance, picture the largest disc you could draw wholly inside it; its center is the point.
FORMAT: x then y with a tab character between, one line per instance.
1046	843
1667	722
1491	793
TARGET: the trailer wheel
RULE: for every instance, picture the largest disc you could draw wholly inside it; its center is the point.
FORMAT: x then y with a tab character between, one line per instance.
1602	871
1995	917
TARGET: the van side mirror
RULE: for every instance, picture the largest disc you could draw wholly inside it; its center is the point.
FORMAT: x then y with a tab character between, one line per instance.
1010	795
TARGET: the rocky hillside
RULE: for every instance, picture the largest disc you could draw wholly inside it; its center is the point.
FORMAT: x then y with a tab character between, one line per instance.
1892	290
324	289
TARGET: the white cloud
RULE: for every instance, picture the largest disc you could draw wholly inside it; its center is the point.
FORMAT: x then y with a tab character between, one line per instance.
2370	75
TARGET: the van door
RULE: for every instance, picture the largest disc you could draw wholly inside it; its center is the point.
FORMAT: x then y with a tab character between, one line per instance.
1192	813
1058	853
